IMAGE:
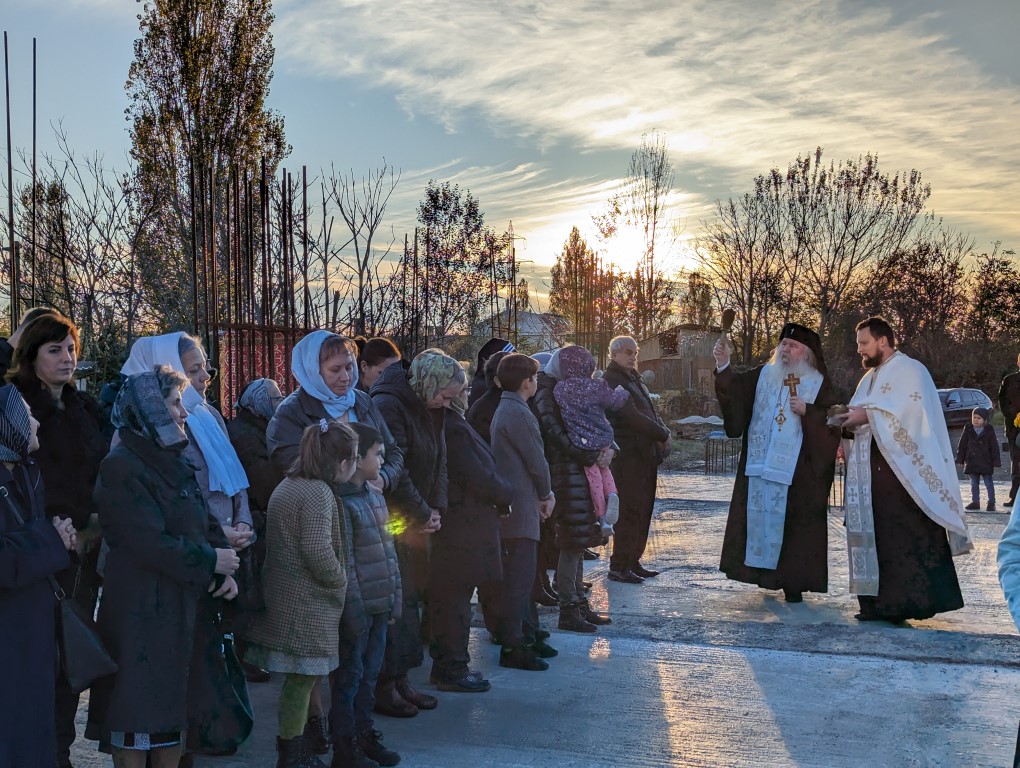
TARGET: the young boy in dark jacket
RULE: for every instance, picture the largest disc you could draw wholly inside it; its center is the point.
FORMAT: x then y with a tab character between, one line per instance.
373	598
979	454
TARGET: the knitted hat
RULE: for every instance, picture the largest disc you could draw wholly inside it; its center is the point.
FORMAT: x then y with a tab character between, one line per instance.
982	412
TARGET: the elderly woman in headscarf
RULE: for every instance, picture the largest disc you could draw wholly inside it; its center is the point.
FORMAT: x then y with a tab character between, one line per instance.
166	552
253	410
219	471
33	548
414	404
325	366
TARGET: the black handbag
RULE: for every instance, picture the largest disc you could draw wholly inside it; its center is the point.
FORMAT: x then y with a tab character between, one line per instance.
250	598
220	715
83	658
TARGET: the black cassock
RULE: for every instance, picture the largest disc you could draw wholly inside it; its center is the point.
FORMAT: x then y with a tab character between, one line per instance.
802	565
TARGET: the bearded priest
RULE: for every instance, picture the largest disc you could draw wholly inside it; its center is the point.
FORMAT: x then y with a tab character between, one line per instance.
777	524
904	516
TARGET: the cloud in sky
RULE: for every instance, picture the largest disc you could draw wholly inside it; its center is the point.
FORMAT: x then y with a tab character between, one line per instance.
737	86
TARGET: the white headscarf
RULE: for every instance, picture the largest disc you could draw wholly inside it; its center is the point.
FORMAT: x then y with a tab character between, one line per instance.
225	471
304	362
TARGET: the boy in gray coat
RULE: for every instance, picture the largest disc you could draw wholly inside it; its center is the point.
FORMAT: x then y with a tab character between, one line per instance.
520	455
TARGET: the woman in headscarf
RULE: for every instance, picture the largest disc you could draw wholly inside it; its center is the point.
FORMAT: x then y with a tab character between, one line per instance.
33	547
466	551
166	552
414	404
72	445
325	367
254	408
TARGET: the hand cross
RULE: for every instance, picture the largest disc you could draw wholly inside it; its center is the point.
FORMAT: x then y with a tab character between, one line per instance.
792	381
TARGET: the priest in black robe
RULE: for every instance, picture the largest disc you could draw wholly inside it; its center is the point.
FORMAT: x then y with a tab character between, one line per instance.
777	525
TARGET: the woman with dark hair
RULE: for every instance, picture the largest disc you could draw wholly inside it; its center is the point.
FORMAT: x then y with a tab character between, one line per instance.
374	356
167	553
414	406
33	548
8	345
305	581
72	447
325	367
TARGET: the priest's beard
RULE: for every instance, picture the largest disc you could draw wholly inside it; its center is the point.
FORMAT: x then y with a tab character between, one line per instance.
798	369
873	361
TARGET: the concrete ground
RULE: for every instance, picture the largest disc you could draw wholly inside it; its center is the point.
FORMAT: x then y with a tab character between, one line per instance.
697	670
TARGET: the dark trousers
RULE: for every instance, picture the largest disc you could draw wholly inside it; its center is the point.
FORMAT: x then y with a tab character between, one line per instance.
490	600
449	624
518	617
404	637
569	577
636	485
82	583
361	658
1014	466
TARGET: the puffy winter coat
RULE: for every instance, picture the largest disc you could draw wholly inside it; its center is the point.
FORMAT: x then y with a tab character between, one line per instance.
373	583
574	514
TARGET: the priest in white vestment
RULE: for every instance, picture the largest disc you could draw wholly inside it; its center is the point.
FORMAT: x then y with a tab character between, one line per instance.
904	515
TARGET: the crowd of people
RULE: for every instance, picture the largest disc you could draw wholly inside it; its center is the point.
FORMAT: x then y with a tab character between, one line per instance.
335	536
331	537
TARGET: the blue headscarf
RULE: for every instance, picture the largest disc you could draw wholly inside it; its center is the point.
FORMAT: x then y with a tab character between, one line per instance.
304	362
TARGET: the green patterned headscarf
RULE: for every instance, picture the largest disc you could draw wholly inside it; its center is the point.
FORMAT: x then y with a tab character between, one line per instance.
433	370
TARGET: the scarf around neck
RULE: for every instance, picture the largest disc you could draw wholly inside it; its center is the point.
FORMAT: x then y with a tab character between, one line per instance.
304	362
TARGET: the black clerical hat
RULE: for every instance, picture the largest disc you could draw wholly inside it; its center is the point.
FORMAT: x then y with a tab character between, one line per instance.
809	339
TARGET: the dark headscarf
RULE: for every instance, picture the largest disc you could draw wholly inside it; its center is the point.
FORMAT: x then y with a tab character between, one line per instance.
15	429
141	408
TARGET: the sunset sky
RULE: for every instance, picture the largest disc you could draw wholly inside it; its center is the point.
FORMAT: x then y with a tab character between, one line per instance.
536	107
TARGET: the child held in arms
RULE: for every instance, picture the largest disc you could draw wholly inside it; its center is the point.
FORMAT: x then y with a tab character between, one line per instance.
979	454
583	401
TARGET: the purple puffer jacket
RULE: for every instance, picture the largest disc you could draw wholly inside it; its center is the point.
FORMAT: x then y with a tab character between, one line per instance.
583	400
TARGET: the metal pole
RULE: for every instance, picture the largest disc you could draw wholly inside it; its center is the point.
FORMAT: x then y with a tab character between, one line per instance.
15	276
35	194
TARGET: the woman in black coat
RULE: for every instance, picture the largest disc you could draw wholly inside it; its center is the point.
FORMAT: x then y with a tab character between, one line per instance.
465	551
413	403
166	552
72	445
32	548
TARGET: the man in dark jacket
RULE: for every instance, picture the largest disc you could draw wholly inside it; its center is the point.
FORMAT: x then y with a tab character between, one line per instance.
479	384
1009	404
644	443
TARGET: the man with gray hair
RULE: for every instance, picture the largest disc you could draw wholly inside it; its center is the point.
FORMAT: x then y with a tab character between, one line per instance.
644	443
776	531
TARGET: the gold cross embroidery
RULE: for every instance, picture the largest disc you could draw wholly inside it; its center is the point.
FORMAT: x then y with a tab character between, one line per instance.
915	396
885	388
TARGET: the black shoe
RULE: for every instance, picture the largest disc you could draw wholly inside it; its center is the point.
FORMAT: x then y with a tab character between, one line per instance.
317	735
435	677
973	505
347	753
543	650
469	683
990	507
541	634
1008	503
371	744
793	597
415	697
644	573
293	753
587	584
590	555
592	617
572	621
521	657
540	596
625	577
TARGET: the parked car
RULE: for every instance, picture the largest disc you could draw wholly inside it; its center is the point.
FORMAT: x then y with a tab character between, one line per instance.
958	403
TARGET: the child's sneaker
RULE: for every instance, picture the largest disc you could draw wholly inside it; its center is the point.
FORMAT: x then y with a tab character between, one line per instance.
612	509
607	529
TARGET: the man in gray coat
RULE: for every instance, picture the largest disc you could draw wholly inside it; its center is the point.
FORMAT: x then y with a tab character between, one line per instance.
520	455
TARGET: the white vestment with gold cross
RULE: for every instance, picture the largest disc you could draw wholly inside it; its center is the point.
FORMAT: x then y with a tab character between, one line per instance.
905	420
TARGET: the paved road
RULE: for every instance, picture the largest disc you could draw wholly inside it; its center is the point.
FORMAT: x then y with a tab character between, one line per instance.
700	671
